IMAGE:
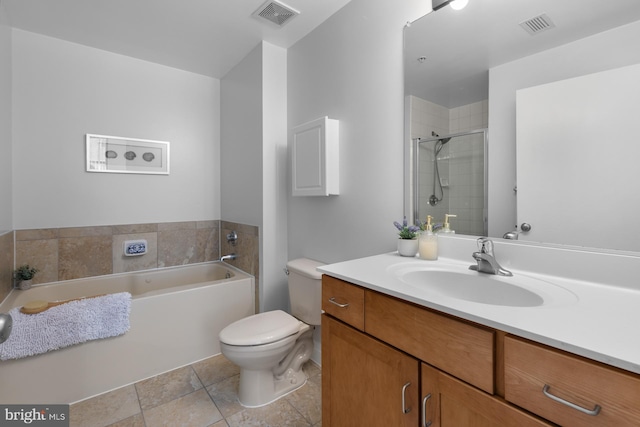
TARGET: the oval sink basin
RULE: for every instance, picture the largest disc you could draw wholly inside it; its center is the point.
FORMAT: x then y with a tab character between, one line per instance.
515	291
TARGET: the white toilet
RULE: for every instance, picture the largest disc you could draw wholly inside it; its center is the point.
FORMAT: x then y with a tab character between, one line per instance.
270	348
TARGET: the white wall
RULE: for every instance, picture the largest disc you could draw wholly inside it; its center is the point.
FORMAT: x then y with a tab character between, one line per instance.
61	91
274	203
241	136
351	69
6	220
611	49
253	167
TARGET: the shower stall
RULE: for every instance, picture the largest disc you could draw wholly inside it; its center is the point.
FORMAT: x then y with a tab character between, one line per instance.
450	177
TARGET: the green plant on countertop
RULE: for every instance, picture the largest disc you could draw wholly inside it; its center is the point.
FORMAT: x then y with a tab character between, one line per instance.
407	232
24	272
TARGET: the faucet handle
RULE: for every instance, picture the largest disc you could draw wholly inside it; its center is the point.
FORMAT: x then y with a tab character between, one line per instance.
485	245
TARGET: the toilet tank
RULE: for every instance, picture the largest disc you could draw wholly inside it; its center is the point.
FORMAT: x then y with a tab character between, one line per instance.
305	290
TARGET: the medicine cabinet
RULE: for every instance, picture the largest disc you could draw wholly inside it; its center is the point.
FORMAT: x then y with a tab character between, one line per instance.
314	158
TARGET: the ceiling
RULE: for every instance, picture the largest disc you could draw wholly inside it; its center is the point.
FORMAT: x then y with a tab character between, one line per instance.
460	47
207	37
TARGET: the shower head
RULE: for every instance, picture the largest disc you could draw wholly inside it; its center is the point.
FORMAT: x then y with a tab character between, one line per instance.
442	141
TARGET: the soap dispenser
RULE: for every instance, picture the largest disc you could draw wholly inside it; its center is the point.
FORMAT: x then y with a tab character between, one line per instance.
446	227
428	243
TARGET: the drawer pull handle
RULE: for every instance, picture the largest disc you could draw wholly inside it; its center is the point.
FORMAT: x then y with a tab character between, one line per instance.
332	300
595	411
425	423
405	410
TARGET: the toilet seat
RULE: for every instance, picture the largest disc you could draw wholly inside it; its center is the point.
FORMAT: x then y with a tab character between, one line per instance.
260	329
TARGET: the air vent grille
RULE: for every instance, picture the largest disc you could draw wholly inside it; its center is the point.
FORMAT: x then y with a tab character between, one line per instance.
537	24
276	12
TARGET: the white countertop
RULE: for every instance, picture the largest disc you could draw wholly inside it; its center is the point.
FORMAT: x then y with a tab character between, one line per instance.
600	323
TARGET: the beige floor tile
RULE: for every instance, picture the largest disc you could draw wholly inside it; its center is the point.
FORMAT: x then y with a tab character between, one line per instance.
178	398
307	400
105	409
193	410
225	395
136	421
165	387
277	414
215	369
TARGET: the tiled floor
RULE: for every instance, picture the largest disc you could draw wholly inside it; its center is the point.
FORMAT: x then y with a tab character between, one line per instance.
200	395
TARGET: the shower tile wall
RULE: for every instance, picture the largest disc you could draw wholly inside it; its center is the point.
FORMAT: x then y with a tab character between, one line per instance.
464	176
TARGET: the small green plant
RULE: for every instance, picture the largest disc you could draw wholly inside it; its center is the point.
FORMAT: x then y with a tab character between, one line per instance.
407	232
24	272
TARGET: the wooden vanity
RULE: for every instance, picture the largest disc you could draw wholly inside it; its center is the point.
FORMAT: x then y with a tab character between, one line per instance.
390	362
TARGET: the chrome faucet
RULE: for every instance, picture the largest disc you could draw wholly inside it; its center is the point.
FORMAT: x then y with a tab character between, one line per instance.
486	260
6	322
229	257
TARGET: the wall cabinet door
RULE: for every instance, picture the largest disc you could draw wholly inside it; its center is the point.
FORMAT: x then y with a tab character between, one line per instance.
447	401
364	381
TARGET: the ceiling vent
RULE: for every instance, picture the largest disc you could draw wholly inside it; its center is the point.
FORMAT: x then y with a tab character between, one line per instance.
276	13
538	24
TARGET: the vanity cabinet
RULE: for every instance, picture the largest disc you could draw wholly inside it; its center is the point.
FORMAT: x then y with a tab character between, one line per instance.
389	362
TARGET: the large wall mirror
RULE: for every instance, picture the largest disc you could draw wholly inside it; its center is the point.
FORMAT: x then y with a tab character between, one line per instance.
496	67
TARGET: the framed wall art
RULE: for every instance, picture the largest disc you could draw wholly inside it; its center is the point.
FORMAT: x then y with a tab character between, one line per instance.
114	154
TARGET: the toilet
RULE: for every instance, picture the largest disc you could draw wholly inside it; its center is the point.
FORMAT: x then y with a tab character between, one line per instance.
271	347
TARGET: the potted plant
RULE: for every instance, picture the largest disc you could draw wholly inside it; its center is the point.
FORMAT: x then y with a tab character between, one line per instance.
23	276
408	238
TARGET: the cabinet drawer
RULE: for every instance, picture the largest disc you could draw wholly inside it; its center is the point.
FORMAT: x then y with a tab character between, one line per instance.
343	301
580	383
459	348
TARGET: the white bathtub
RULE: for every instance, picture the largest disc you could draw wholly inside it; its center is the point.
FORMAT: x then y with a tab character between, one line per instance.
176	315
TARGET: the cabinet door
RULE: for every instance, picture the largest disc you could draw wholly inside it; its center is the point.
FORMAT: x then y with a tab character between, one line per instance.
447	401
364	381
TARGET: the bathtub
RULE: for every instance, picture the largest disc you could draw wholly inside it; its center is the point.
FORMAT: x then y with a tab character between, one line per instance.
176	316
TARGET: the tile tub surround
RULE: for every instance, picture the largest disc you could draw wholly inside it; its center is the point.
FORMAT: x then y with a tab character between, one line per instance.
76	252
247	249
6	264
201	394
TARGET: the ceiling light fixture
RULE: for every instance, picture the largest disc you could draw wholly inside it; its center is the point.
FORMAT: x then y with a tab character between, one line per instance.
459	4
455	4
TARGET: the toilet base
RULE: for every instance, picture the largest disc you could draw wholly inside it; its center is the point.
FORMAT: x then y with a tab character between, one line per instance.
261	387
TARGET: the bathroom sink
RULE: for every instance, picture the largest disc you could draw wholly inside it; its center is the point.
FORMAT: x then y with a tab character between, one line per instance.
463	284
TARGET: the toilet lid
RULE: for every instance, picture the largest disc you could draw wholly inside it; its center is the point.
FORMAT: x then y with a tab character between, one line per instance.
262	328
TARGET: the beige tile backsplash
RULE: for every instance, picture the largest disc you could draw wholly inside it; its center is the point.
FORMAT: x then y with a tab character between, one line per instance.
75	252
246	249
6	264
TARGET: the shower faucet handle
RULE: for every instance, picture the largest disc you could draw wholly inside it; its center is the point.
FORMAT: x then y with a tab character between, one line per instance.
232	238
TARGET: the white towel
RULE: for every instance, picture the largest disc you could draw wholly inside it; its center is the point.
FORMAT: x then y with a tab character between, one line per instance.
67	324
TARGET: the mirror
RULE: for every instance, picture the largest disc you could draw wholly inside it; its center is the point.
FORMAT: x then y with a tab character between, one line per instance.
486	53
